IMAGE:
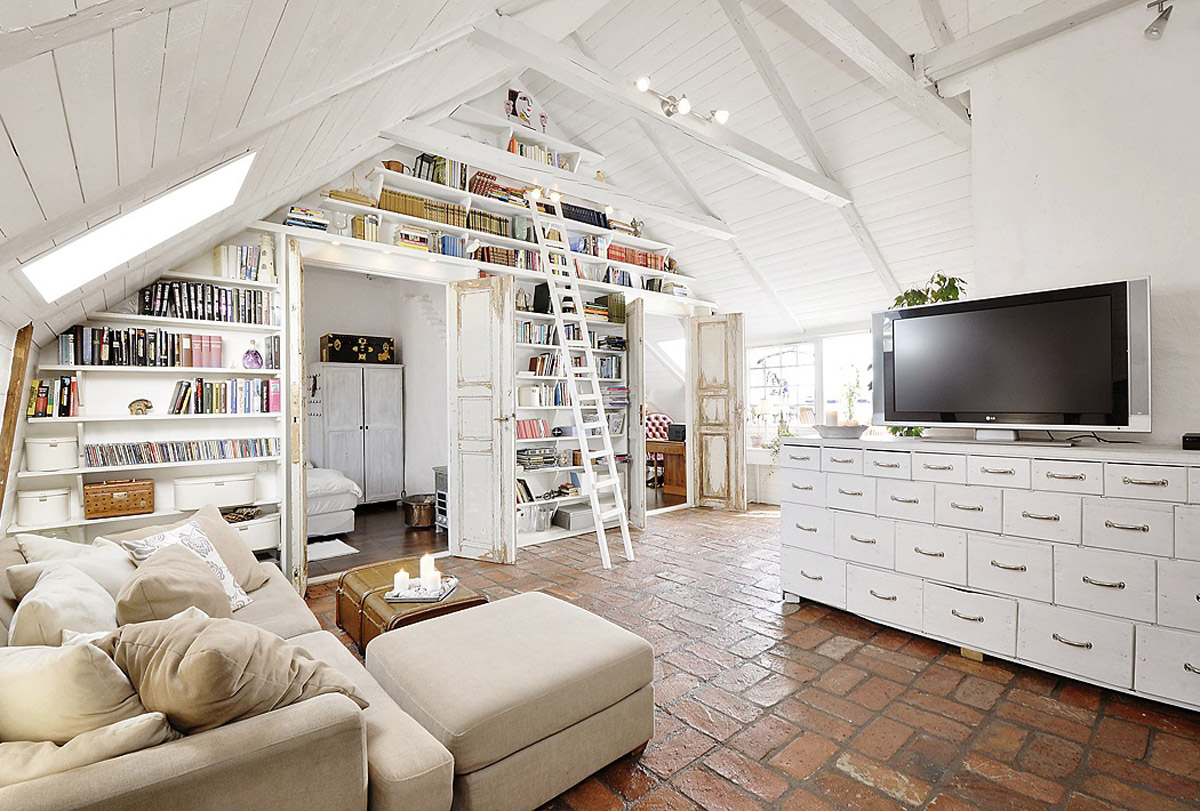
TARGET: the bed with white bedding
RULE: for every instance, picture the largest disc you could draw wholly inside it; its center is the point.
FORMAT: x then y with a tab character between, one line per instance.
331	501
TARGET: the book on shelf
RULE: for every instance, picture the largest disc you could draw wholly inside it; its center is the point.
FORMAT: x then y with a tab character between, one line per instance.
139	348
307	218
365	226
113	454
546	364
509	257
539	154
633	256
233	396
201	301
412	205
53	397
533	429
239	262
583	214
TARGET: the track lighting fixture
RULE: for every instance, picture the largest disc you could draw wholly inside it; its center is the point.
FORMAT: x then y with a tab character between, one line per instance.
643	83
682	105
721	116
555	197
1154	31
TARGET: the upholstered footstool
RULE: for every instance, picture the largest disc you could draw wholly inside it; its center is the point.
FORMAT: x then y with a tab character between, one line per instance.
530	694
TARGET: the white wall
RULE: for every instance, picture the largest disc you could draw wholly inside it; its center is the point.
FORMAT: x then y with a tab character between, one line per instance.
413	314
1086	169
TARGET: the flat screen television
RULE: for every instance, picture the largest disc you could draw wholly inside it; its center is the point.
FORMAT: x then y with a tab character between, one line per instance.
1072	358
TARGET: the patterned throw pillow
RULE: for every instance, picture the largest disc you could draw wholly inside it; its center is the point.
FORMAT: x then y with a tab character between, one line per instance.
192	537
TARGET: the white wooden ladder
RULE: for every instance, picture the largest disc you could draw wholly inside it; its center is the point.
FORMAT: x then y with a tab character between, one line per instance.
583	382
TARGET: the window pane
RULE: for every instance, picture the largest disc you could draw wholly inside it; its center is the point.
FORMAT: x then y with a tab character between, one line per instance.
780	390
847	375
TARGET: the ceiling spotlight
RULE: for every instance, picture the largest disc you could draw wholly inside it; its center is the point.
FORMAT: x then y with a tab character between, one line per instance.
534	193
683	105
643	83
608	211
720	116
1155	30
555	197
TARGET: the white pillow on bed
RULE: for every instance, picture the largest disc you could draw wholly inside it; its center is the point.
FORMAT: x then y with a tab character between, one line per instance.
323	481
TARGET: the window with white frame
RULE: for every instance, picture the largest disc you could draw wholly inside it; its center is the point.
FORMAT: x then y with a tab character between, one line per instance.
781	390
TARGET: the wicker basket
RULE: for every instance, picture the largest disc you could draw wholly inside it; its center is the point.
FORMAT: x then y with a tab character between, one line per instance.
125	497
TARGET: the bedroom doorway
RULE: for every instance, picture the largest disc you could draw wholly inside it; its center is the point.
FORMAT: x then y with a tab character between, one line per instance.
665	403
375	430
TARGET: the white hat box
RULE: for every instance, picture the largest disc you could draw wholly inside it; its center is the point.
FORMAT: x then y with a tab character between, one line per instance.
49	453
225	490
261	534
37	508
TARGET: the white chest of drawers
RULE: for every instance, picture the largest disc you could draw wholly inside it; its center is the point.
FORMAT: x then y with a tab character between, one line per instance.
1081	561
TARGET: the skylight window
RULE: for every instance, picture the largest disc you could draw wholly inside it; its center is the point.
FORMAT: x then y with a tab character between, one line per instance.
98	250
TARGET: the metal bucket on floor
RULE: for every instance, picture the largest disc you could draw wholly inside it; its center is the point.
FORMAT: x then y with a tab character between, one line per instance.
418	509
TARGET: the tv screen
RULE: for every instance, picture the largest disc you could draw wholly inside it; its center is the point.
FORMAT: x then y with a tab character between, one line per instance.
1054	358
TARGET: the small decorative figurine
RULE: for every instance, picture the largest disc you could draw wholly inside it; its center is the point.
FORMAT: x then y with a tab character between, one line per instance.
637	226
523	303
252	359
141	407
266	259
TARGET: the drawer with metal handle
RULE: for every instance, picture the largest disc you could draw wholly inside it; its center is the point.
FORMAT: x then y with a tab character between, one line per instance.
1062	476
802	487
891	598
939	467
888	464
1019	568
1145	527
806	527
935	553
1168	664
1076	642
1179	594
800	457
910	501
1146	482
1187	532
998	471
813	576
1045	516
1116	583
841	460
856	493
977	621
865	539
968	507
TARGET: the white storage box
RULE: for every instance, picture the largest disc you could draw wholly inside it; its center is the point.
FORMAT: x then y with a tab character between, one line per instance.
46	453
224	490
261	534
36	508
578	516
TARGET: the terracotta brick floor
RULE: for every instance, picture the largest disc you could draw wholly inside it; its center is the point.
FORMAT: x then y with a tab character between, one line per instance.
767	705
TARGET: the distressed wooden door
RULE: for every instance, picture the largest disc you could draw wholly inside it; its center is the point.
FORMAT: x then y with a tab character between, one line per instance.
635	371
383	426
342	399
716	430
483	513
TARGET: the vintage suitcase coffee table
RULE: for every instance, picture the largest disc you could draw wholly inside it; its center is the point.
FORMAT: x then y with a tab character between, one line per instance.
363	613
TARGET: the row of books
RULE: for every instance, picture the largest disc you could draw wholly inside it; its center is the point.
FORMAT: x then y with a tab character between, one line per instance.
535	332
546	364
53	397
199	301
365	226
307	218
615	396
423	239
485	185
112	346
544	394
242	262
110	454
633	256
532	429
437	169
590	216
539	154
234	396
671	287
588	244
413	205
509	257
609	367
489	223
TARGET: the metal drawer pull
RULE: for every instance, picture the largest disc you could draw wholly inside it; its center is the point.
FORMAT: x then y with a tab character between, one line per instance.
1065	641
1191	668
893	465
801	486
796	458
803	528
841	461
971	508
1147	482
891	598
966	617
998	471
902	500
850	492
811	576
857	539
1039	517
1071	477
928	466
921	551
1130	527
1008	567
1120	584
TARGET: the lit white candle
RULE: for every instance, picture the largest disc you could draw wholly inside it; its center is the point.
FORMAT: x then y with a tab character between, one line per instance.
431	580
401	582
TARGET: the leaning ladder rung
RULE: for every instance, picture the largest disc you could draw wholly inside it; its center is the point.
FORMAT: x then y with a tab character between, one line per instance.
598	454
589	396
604	484
591	425
610	515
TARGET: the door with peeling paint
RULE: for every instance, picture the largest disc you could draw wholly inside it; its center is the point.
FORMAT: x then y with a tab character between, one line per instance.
482	499
635	362
716	430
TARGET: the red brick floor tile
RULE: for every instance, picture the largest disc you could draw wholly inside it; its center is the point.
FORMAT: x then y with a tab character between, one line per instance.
669	756
1122	738
840	679
709	790
978	692
771	690
592	795
1131	771
763	737
1050	756
938	680
629	778
844	792
801	800
664	798
947	802
1125	795
1082	802
747	774
704	718
1176	755
900	787
809	638
877	693
1000	739
809	717
804	756
927	758
1028	784
882	738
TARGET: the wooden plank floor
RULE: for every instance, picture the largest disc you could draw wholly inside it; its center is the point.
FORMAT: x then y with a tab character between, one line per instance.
379	534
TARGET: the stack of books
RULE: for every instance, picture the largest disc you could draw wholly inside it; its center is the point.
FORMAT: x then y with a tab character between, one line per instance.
237	262
307	218
53	397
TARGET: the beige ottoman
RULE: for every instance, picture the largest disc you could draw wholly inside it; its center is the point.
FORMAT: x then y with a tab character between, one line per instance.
530	694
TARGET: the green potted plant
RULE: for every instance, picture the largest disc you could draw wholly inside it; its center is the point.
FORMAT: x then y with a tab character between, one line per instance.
940	288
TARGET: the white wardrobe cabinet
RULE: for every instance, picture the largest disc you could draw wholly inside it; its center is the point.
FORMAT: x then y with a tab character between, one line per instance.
356	425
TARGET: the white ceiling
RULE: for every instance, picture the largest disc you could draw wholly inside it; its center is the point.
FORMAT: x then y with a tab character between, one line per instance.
103	104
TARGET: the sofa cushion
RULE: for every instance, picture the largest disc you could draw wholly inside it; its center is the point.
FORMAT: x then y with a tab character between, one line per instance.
278	608
406	766
54	694
27	760
209	672
522	669
64	599
107	564
171	580
10	555
190	535
37	548
229	545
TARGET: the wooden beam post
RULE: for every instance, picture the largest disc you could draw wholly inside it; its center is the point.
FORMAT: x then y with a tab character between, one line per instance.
14	405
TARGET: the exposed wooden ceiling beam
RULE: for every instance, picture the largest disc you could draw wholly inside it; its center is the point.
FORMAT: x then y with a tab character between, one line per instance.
935	21
567	66
428	139
945	65
794	116
856	35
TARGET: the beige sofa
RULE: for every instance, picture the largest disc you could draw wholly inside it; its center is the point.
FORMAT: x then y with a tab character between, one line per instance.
320	753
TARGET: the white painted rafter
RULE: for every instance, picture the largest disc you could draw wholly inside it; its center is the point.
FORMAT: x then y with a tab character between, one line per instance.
794	116
845	26
935	21
564	65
